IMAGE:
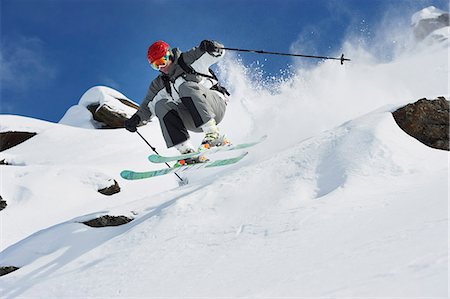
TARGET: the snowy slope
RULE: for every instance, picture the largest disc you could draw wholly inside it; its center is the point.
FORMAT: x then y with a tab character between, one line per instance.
338	202
63	167
358	210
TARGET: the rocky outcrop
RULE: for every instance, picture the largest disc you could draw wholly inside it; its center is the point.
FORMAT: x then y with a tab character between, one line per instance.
100	107
7	269
428	21
427	121
107	220
11	139
2	203
113	189
110	116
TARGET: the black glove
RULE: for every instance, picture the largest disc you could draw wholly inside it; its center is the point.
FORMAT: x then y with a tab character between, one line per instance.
132	123
209	46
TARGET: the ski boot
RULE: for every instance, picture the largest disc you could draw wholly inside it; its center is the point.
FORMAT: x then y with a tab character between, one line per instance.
212	136
187	148
213	140
190	161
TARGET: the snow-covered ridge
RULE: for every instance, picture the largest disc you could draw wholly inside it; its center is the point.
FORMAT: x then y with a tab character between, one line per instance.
13	123
431	25
100	97
429	12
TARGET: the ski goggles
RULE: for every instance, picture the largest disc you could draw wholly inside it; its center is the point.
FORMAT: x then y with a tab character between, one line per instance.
161	62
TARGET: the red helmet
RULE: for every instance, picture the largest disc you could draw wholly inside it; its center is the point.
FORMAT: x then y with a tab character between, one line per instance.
157	50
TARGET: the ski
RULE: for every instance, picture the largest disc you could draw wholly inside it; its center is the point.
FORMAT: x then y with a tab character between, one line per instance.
165	159
133	175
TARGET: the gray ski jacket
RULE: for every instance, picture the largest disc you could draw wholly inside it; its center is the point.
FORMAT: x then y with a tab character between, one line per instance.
198	60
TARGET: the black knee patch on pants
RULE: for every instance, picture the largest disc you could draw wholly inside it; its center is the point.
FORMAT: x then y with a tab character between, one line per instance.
175	127
187	101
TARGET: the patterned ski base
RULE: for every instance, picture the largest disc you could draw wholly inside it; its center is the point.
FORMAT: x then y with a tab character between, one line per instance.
163	159
132	175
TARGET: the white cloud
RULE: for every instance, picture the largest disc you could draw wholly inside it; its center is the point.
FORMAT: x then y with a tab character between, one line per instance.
23	63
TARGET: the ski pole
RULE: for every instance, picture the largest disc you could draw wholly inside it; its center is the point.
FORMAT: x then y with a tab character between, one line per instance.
342	59
154	149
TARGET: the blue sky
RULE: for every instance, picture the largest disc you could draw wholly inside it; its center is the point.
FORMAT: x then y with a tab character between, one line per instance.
52	51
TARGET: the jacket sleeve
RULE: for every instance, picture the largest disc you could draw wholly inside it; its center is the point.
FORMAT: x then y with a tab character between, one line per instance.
201	60
144	111
156	92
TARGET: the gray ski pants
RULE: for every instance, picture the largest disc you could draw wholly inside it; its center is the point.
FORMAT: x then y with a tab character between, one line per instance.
198	106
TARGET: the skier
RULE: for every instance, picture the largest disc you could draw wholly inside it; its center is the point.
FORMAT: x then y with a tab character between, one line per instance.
185	96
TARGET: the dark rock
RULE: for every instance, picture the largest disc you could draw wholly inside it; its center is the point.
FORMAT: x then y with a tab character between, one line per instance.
109	116
2	203
92	108
107	220
14	163
106	107
128	103
427	121
113	189
7	269
10	139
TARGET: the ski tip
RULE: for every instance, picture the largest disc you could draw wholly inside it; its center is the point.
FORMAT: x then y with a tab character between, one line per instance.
240	157
153	158
125	174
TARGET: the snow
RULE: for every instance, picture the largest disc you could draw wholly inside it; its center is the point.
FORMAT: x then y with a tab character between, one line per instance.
439	35
432	25
79	116
23	124
337	202
429	12
358	210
